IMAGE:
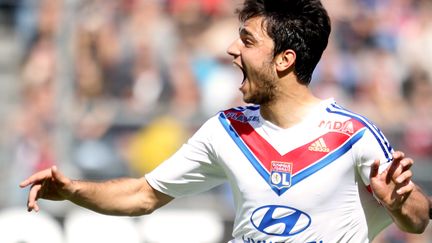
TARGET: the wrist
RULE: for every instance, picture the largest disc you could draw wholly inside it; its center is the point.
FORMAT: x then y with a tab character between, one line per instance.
393	207
71	189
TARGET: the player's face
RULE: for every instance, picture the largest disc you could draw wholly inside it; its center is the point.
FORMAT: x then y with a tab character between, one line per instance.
253	54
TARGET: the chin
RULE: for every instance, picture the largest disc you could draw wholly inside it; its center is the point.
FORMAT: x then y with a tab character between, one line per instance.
251	100
247	98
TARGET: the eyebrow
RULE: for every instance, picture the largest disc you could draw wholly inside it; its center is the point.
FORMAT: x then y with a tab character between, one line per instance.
244	32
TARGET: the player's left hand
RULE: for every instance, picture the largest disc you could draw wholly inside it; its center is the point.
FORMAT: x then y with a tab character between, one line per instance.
393	186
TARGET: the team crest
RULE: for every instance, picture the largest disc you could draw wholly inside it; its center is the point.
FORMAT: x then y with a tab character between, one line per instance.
280	174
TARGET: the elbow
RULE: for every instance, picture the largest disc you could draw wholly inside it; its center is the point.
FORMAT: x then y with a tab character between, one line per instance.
128	212
145	209
139	212
417	228
421	227
144	205
147	199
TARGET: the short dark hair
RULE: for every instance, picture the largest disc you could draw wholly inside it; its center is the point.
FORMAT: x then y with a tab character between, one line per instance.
300	25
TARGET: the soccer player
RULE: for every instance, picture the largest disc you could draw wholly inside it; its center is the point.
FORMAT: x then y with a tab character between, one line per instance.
301	169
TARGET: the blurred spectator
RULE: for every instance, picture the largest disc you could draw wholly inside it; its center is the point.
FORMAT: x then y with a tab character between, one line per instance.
217	80
36	20
415	38
185	96
33	122
99	45
417	132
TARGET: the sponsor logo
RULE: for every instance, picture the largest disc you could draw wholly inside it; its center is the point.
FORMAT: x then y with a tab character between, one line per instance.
280	220
238	116
280	174
344	127
250	240
319	146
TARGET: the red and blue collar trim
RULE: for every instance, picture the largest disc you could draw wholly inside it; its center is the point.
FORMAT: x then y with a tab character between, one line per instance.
305	162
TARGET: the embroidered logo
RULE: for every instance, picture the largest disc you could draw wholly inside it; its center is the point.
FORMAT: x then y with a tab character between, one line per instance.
280	174
319	146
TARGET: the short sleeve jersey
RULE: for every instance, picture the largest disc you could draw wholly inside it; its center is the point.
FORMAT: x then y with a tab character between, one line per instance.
307	183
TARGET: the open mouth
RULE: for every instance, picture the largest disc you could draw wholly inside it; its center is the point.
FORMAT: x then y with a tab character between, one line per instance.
244	76
243	72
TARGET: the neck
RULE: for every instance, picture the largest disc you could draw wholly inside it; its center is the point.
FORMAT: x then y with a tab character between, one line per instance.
290	106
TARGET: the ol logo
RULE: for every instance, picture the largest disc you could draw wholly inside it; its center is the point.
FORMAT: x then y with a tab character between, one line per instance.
280	174
280	220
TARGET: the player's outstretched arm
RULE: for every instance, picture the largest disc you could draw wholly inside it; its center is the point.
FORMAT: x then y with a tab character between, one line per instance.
406	203
123	196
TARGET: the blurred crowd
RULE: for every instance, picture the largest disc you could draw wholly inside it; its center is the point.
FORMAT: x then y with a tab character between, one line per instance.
111	88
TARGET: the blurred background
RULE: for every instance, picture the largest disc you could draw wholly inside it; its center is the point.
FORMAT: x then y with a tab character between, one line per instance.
109	88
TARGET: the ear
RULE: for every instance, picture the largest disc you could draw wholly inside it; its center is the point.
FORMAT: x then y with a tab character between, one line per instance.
285	60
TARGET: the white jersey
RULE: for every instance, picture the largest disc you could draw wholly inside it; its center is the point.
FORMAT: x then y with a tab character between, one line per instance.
307	183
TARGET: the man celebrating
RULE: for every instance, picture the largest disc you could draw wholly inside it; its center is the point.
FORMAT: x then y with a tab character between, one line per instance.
301	169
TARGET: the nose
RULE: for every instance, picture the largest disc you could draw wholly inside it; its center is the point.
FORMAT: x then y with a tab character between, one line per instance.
233	48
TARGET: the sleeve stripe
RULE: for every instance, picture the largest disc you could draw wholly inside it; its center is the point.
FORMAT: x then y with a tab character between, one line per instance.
382	141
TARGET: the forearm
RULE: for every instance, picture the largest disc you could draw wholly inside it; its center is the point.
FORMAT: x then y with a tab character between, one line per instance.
124	196
412	217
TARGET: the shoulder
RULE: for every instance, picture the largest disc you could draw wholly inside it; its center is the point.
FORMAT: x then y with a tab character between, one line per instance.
222	120
343	113
214	130
241	113
372	136
223	117
243	109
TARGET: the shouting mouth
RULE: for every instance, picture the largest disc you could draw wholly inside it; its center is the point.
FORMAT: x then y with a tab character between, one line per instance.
243	72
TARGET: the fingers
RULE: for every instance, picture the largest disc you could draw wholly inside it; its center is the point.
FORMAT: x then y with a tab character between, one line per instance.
399	165
58	176
405	189
406	163
38	182
374	169
404	183
394	169
402	174
39	176
32	198
398	155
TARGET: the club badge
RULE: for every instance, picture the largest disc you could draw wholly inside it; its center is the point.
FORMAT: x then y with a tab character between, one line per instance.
280	174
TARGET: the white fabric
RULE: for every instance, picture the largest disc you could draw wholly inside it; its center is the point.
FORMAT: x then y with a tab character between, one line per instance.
326	201
181	226
18	225
84	226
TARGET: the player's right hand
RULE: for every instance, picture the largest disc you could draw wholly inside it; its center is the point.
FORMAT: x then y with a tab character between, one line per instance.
48	184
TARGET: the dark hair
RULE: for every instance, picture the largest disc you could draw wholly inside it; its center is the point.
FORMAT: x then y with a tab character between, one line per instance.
300	25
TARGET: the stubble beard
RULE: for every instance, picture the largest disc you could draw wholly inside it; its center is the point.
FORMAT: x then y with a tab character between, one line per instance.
265	85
